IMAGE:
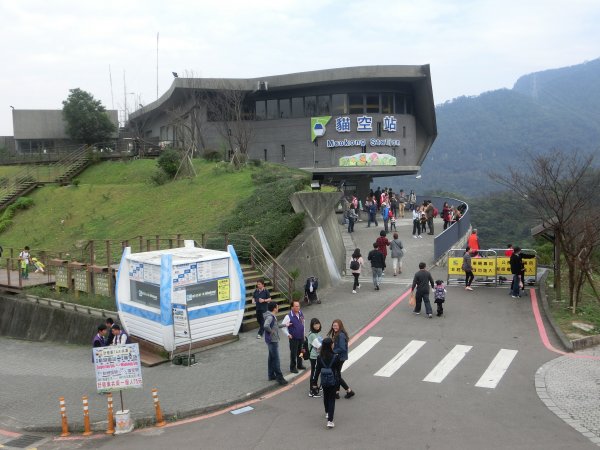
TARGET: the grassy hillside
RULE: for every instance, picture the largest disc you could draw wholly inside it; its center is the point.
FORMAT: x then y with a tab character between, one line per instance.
115	200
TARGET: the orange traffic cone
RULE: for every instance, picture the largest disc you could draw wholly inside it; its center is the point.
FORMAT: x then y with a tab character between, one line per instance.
63	416
159	417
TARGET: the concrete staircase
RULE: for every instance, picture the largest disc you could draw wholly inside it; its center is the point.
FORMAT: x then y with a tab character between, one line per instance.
251	276
18	187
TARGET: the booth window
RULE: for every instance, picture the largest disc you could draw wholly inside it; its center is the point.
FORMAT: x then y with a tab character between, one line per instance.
372	103
297	107
310	106
272	109
261	110
338	104
284	108
356	102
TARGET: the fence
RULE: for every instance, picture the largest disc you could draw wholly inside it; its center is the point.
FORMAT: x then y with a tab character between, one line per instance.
451	235
92	267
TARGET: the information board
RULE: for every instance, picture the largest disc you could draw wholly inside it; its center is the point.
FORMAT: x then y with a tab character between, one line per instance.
185	274
180	321
61	275
117	367
217	268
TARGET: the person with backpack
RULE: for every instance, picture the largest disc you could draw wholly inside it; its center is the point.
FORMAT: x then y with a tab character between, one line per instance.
439	295
340	338
293	328
325	364
315	341
356	263
310	290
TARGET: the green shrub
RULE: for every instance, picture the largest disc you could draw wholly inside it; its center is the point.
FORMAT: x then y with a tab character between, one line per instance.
169	161
270	218
9	212
159	177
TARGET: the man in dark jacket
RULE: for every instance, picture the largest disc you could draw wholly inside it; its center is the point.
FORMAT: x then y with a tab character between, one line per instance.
377	265
515	269
421	281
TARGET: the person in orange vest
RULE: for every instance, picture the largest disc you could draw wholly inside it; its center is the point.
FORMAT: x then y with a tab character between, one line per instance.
473	242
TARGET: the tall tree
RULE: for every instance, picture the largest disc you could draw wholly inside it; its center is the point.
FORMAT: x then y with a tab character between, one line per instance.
87	120
564	189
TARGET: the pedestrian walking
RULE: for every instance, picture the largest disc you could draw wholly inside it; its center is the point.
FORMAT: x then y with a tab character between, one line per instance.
429	214
325	368
383	243
261	298
377	265
340	338
421	282
412	200
473	242
372	214
516	266
315	341
272	340
356	263
385	215
439	295
397	251
416	215
467	266
401	203
293	328
352	218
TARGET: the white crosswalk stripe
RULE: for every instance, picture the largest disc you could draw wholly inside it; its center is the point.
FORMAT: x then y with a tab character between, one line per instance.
490	378
360	351
497	368
398	361
446	365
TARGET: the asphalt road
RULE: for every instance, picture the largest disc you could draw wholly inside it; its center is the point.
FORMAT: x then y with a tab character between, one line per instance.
417	405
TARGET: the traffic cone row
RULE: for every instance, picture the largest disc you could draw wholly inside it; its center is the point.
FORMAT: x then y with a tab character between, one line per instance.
110	416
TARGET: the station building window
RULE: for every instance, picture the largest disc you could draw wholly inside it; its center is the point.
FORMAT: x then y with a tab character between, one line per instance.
356	104
400	104
310	106
339	104
285	110
297	107
324	102
261	110
387	103
272	109
372	103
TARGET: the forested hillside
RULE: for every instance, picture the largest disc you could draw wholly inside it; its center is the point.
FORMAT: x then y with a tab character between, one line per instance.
556	108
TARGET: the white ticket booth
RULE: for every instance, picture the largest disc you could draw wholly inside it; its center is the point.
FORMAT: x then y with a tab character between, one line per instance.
153	288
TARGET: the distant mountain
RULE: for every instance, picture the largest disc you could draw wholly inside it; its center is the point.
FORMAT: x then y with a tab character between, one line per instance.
558	108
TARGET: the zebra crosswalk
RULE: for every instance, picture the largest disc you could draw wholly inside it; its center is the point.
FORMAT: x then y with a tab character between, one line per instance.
490	378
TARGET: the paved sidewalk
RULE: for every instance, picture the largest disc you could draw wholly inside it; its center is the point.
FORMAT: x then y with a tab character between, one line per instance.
570	387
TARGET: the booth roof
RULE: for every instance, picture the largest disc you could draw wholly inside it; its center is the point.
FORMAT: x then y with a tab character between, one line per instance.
182	255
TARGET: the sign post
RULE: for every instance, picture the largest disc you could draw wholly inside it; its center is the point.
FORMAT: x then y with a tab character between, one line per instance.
181	321
117	368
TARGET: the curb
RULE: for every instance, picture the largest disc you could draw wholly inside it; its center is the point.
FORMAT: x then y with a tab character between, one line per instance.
568	344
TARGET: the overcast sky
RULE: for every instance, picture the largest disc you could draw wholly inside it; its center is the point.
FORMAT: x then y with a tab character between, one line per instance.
49	47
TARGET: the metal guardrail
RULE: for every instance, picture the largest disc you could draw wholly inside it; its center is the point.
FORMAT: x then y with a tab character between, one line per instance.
451	235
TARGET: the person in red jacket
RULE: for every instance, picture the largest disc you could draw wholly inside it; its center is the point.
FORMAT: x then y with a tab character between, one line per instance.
473	242
382	244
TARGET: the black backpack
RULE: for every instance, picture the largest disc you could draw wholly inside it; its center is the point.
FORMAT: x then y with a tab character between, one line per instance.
354	264
327	374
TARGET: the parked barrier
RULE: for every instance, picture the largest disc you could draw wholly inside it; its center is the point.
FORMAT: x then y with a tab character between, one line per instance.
110	417
86	417
159	417
63	416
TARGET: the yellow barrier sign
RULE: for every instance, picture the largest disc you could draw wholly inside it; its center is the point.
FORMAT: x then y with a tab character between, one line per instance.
503	266
491	267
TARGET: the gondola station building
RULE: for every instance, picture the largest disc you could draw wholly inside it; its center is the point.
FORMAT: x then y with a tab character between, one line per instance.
346	125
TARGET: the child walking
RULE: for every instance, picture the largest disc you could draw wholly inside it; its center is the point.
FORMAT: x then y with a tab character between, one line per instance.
314	346
440	296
